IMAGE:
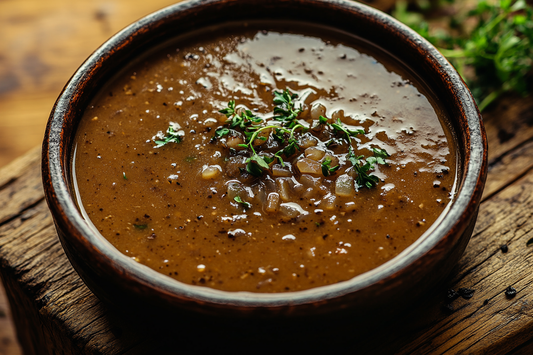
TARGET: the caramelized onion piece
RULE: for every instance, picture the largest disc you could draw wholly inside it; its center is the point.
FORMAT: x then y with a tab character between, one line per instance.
296	186
234	141
309	193
328	203
211	172
308	166
315	153
272	203
278	170
284	188
344	186
308	140
235	189
233	166
310	181
259	192
291	210
318	110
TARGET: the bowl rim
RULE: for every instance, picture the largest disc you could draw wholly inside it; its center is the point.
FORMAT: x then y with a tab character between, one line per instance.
64	209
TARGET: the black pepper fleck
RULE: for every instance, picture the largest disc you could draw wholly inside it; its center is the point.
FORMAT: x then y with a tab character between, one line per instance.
510	292
452	295
466	293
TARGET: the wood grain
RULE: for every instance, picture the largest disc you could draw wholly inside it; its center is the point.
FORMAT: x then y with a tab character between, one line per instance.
45	290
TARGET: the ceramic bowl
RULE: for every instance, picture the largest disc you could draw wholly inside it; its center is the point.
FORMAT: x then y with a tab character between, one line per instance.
123	283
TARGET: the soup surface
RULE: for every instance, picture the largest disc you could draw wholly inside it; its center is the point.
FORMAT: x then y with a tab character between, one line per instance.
327	160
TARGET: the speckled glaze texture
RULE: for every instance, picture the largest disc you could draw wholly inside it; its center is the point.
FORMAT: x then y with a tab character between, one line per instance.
122	282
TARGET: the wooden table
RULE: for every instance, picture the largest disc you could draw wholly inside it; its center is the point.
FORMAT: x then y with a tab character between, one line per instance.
55	313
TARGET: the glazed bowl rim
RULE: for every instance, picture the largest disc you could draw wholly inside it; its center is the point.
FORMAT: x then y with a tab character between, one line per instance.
62	203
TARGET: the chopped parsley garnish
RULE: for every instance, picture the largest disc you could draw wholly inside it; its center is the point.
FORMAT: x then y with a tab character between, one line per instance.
379	157
285	133
243	120
346	133
285	110
250	126
141	226
244	204
221	132
190	159
230	110
326	169
172	136
363	167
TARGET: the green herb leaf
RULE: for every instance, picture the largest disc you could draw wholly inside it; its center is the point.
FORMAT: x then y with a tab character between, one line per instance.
326	169
141	226
230	111
253	168
285	110
362	168
221	132
244	204
344	131
268	160
498	49
171	136
124	176
379	157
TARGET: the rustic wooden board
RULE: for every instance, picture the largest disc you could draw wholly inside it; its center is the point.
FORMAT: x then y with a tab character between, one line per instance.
55	313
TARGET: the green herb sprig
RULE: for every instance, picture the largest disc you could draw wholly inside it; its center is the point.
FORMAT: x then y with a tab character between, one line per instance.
499	48
250	126
245	205
256	163
285	133
285	110
340	128
327	170
172	136
362	167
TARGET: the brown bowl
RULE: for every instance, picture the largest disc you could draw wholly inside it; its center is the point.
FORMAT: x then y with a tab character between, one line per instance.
123	283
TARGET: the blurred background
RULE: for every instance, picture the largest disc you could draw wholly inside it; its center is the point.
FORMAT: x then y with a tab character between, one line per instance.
42	43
